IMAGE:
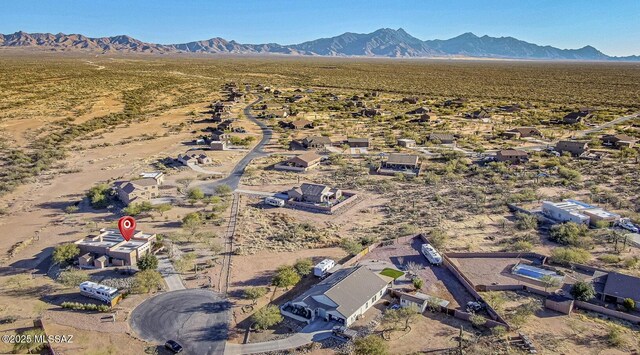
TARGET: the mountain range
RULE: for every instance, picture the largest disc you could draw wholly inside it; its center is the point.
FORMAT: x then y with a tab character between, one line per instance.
384	42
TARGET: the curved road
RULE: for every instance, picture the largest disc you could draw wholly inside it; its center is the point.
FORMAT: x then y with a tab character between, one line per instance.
196	318
234	178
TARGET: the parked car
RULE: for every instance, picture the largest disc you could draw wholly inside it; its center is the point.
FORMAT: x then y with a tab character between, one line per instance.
173	346
626	224
473	307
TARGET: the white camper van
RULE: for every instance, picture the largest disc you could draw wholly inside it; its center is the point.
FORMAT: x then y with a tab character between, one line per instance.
431	254
101	292
274	201
322	267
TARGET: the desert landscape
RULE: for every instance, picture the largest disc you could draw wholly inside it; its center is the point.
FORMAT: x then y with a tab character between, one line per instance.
249	171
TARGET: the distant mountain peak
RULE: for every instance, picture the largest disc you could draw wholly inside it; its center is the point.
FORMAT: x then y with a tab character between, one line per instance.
384	42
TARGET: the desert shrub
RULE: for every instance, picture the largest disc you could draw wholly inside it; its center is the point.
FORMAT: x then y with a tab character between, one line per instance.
99	196
370	345
77	306
147	262
73	278
526	221
65	253
351	246
267	317
570	255
629	304
285	277
571	233
609	258
303	266
583	291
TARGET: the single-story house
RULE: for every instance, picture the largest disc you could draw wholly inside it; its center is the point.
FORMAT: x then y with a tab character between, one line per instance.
419	111
513	156
619	286
410	100
522	132
316	142
407	164
342	297
358	142
218	145
301	162
479	114
426	117
577	116
618	140
442	138
109	248
136	190
314	193
407	143
194	157
459	102
574	147
297	124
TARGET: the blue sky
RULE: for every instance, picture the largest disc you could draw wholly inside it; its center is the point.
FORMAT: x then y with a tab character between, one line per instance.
609	25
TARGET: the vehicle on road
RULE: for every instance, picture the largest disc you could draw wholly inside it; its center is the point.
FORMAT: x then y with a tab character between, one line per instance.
274	201
344	332
173	346
628	225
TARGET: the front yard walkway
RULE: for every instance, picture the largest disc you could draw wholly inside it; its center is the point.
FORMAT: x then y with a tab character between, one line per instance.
315	331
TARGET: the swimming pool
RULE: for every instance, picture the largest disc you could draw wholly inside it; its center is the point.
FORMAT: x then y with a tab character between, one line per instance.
534	273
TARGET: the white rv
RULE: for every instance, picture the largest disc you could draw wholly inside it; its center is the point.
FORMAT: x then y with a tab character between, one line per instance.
101	292
322	267
431	254
274	201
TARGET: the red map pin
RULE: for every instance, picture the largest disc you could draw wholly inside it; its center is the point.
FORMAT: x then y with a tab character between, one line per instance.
127	226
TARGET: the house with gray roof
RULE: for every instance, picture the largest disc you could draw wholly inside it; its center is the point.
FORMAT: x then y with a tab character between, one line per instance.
314	193
407	164
342	297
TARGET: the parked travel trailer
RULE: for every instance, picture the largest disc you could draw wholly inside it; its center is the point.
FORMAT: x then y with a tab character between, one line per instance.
431	254
274	201
322	267
106	294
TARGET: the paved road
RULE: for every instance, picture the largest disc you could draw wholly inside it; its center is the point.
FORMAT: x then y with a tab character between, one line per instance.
196	318
171	277
607	125
234	178
315	331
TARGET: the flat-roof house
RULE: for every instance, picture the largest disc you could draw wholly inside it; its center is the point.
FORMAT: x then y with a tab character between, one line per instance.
419	111
314	193
619	286
358	142
218	145
522	132
158	176
618	140
342	297
109	248
316	142
442	138
577	212
407	143
574	147
577	116
136	190
301	162
512	155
